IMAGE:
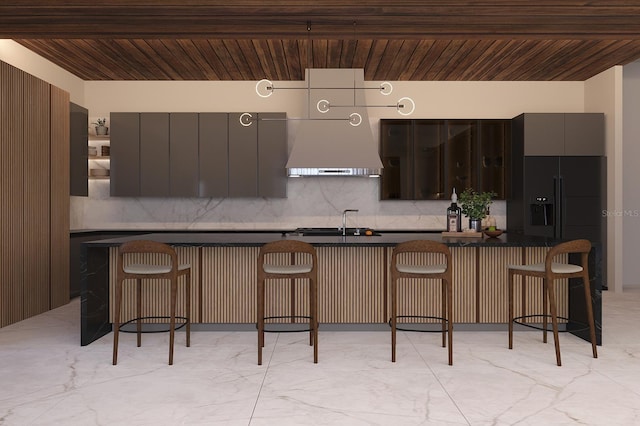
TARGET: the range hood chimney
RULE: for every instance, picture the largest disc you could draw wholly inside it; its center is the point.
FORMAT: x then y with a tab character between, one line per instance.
336	139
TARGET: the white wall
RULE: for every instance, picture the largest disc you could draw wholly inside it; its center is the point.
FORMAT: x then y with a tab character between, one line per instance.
630	192
603	93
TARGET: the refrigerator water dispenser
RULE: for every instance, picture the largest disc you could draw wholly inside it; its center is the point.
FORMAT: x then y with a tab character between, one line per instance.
541	212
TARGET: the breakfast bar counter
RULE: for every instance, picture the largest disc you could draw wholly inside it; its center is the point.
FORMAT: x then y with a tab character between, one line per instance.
352	278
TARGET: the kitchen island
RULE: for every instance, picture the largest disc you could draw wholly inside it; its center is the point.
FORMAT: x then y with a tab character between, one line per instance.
353	279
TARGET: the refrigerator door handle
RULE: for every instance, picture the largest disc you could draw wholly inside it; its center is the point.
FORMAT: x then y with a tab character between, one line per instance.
561	206
556	206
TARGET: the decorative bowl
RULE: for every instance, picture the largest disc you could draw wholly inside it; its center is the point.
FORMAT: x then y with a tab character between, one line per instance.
493	234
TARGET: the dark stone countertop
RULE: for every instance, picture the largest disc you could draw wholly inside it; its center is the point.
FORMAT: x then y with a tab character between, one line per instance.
386	239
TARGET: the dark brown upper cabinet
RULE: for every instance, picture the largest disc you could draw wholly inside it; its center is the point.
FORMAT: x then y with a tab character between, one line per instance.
427	159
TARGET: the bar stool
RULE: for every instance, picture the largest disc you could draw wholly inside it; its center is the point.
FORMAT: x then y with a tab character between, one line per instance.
290	271
141	272
441	271
550	271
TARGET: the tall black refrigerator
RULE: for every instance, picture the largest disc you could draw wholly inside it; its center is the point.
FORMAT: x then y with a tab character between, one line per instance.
562	197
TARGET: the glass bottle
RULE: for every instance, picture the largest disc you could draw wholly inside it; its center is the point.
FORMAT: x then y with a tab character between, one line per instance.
490	221
454	214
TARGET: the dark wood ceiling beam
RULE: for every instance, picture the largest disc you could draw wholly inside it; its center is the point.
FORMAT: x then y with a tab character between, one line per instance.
378	28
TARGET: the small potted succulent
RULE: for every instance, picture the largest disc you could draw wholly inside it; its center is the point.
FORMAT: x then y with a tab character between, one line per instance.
101	126
474	205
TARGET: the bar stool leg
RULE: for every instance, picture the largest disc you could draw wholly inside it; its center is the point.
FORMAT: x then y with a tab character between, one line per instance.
116	321
545	303
511	276
139	311
554	317
314	317
444	312
450	321
260	312
394	311
188	306
172	324
592	327
311	313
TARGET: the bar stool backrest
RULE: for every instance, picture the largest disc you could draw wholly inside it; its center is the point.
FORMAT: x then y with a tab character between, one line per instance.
286	246
151	247
575	246
420	246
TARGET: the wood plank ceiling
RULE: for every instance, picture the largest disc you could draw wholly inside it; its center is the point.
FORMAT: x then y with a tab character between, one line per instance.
453	40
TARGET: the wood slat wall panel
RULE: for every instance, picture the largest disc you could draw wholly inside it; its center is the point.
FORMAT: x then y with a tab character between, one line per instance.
36	174
464	284
28	181
59	205
155	293
12	186
228	284
493	295
351	287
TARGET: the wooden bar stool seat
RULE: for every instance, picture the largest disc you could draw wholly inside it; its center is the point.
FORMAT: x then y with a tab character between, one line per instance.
400	268
306	270
549	271
144	271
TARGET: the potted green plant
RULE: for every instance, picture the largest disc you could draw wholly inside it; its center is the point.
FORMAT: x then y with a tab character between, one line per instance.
101	126
474	205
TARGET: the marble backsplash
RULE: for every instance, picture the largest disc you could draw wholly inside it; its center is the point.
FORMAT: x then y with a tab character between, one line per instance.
315	201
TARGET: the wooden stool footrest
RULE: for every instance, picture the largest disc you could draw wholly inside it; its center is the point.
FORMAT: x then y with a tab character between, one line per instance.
440	319
287	323
517	320
178	325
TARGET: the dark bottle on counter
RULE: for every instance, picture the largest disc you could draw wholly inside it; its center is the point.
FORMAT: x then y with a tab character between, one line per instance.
454	214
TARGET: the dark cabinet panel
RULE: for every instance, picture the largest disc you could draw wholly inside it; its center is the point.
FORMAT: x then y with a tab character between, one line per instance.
462	140
584	134
563	133
79	136
198	155
183	154
427	159
396	152
543	134
494	153
214	155
272	155
125	154
243	157
154	154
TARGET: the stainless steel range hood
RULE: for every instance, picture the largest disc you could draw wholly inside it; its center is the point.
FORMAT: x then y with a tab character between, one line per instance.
328	141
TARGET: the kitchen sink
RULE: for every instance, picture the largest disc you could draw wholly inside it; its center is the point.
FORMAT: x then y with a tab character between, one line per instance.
332	232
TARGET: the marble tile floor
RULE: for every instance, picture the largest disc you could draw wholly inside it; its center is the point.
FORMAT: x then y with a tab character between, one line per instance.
47	378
